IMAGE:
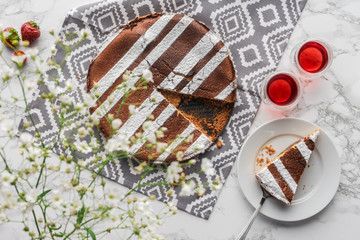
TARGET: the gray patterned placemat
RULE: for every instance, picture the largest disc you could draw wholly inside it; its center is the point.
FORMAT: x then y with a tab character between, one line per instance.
256	33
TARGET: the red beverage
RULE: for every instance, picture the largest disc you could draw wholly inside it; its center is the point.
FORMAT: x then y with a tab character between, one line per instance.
282	89
313	57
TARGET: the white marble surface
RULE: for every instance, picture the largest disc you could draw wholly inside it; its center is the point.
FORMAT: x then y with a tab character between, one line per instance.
332	102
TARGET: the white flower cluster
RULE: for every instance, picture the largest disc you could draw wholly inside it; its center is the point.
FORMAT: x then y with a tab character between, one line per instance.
176	175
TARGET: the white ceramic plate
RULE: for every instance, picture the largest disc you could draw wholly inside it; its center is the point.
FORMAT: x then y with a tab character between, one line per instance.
318	184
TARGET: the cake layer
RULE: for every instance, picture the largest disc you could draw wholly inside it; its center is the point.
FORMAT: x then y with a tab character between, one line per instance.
208	115
280	177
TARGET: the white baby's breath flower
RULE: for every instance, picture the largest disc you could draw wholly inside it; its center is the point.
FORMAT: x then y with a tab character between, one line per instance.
26	207
217	183
85	33
94	143
207	167
112	197
29	84
7	72
172	173
118	143
132	109
200	192
144	207
124	142
116	123
161	147
81	109
7	178
151	137
187	188
18	59
34	152
83	146
32	195
111	146
54	89
65	99
89	100
41	67
70	84
147	74
32	52
81	163
26	139
172	207
56	198
200	147
159	134
82	132
179	155
7	125
147	125
115	216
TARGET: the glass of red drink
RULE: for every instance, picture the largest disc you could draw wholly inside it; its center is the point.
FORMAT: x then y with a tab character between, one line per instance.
313	58
281	90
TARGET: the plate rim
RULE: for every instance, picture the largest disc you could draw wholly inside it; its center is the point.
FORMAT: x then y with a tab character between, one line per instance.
316	210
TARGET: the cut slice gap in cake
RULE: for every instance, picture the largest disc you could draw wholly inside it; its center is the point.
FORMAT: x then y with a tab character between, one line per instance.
208	115
280	177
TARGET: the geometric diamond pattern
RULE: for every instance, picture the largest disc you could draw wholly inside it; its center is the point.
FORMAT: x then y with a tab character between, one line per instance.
249	55
256	33
268	15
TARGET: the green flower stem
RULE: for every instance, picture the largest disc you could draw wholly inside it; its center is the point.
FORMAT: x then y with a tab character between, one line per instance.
7	168
43	210
36	222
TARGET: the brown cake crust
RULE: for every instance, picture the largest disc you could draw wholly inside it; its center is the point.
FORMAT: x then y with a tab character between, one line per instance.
221	78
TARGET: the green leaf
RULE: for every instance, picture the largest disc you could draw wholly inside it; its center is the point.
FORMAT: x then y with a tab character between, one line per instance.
43	194
91	233
80	215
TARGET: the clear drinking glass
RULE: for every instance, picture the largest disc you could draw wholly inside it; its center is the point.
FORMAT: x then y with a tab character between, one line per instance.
312	58
281	90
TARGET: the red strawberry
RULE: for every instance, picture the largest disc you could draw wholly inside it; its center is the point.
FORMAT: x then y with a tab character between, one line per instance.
19	58
10	37
30	31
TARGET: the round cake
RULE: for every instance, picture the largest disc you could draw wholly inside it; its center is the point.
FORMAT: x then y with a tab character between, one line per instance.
192	93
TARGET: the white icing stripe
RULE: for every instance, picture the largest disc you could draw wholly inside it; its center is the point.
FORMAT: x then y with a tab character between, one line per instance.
285	174
176	143
269	183
314	135
205	72
140	116
226	92
164	45
199	51
158	122
108	40
201	141
150	59
134	52
304	150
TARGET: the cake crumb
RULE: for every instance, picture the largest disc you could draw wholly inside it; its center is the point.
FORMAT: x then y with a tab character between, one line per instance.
259	161
304	187
219	143
267	160
308	165
269	150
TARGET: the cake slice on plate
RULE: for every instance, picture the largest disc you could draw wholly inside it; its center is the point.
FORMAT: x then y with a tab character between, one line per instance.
280	177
